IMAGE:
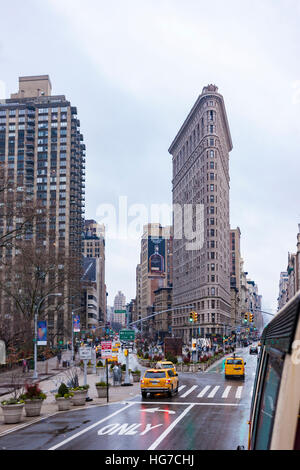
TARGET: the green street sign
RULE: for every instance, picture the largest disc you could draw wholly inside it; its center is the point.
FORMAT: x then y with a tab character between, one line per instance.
127	335
120	311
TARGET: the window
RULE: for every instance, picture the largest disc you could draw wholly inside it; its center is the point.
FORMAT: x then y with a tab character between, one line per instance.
267	406
211	142
212	187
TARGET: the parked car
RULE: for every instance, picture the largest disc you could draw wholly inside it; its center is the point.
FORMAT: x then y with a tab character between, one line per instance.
253	350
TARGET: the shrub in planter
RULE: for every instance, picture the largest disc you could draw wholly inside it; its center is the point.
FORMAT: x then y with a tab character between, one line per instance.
63	398
79	395
100	364
101	388
171	358
136	374
186	360
12	410
33	398
146	355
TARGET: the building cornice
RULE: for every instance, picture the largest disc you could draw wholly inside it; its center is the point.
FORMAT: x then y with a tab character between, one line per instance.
203	97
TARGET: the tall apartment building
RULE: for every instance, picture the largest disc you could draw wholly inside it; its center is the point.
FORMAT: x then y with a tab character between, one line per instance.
119	305
155	268
43	155
93	246
235	276
283	289
90	294
201	275
290	281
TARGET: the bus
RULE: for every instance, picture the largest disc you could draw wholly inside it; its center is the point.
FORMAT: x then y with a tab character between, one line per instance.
275	406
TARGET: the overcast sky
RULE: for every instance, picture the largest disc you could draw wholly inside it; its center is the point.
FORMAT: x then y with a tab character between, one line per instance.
135	68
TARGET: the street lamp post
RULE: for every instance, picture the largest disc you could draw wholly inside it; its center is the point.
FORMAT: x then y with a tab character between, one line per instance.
72	347
35	373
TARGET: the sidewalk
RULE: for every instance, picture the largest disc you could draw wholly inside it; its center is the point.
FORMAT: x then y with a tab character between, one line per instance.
49	385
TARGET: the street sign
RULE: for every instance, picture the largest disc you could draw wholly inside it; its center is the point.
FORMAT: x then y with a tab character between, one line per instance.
85	353
106	349
120	311
127	335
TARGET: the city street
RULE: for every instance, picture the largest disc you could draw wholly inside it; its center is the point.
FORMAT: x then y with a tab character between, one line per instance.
208	413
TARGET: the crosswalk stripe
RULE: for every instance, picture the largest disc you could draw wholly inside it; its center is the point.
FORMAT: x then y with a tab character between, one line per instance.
190	390
239	392
226	391
181	387
203	392
213	392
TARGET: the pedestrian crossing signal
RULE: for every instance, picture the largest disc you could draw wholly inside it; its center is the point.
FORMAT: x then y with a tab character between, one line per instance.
125	352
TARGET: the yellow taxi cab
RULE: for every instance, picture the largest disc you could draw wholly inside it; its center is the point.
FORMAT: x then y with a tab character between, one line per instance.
259	343
234	367
159	381
115	349
165	365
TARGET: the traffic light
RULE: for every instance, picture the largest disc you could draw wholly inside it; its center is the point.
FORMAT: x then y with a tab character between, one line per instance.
195	316
125	352
246	317
251	317
191	316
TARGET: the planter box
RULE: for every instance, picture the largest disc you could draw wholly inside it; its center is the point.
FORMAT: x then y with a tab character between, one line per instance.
102	392
79	397
89	370
100	370
33	407
136	377
12	413
63	404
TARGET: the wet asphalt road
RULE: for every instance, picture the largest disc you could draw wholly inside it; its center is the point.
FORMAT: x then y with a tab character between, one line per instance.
208	413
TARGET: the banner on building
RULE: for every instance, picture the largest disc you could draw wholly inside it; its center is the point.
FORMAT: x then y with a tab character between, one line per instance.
156	255
42	333
76	323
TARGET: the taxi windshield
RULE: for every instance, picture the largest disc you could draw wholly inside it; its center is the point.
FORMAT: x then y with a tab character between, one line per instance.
167	366
234	361
155	375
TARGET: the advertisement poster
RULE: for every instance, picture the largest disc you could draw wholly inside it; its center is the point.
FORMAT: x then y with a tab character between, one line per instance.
76	323
156	256
42	333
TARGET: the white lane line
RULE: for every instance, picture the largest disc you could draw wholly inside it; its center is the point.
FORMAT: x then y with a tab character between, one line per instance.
226	391
181	387
213	392
203	392
169	429
90	427
190	390
239	392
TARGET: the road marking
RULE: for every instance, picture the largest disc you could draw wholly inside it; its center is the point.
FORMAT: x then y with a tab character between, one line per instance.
188	391
239	392
90	427
187	403
226	391
181	387
169	429
213	392
152	410
203	392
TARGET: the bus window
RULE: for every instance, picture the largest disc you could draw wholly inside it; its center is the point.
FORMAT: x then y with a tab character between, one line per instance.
267	406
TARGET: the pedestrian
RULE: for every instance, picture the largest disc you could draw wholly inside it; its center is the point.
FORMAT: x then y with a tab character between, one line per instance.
25	366
58	358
